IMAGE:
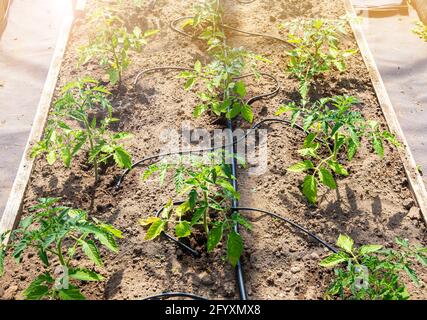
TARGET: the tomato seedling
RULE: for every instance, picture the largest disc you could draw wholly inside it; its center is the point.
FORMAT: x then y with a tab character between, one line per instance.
57	234
333	129
225	89
372	272
317	50
110	43
79	102
208	193
206	23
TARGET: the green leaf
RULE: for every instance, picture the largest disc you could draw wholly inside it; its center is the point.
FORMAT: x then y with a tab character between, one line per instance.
122	158
183	229
326	178
104	237
83	274
333	260
2	256
155	229
235	110
198	66
240	89
369	248
71	294
247	113
412	274
51	157
189	83
182	208
91	251
192	198
215	236
337	168
421	258
199	109
38	289
378	146
113	75
301	166
66	156
148	221
234	247
309	188
345	242
198	214
42	255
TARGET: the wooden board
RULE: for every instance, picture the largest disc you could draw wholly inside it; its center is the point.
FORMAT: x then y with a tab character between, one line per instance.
13	207
415	181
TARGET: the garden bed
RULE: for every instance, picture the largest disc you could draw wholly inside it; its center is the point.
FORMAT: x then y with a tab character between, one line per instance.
373	204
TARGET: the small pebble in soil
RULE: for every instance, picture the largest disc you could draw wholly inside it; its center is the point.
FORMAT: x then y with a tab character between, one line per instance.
414	213
295	269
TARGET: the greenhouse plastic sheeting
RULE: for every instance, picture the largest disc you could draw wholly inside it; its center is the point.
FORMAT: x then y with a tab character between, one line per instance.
26	50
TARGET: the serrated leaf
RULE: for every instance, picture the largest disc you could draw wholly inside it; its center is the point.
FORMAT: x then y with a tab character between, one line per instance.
378	146
247	113
215	236
234	247
326	178
301	166
198	214
412	274
71	294
51	157
83	274
198	66
91	251
240	88
183	229
332	260
122	158
309	188
369	248
345	242
155	229
148	221
182	209
337	168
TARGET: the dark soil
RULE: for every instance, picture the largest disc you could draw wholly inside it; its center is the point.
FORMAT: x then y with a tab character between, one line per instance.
371	205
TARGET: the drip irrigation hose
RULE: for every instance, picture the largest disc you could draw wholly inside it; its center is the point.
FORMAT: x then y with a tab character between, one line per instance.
235	203
296	225
173	26
168	295
158	157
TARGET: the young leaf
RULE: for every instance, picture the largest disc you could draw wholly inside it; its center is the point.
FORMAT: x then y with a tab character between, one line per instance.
148	221
247	113
337	168
91	251
309	188
71	294
369	248
234	247
83	274
215	236
240	88
155	229
326	178
122	158
183	229
332	260
345	242
301	166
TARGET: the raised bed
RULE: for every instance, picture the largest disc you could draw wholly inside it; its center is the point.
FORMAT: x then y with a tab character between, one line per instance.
373	205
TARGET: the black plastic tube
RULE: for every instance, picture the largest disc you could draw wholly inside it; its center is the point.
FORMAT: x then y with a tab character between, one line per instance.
235	203
296	225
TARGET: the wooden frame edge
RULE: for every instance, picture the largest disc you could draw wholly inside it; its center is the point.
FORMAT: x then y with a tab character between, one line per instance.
14	203
415	181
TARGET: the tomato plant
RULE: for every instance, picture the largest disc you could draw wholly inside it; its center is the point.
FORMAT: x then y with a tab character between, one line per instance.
317	50
208	193
372	272
333	130
57	233
225	89
206	23
78	103
110	43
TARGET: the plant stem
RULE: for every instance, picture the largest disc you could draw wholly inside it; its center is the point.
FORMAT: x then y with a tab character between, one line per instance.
60	256
205	214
